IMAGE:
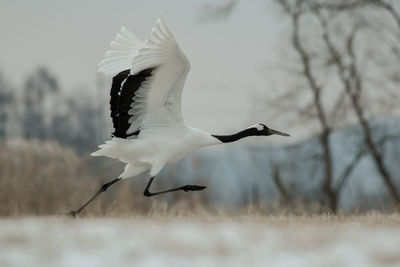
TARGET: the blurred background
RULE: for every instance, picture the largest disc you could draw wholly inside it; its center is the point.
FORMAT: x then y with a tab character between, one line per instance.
327	72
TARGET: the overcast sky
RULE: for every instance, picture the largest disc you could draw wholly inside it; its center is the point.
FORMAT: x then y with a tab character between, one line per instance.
229	58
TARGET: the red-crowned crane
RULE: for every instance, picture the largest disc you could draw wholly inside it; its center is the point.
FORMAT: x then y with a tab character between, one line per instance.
149	130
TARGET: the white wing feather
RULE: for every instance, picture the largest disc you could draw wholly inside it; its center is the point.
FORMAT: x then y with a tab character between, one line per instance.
160	97
121	52
157	103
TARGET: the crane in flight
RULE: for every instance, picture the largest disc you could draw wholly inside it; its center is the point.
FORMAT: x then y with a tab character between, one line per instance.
146	112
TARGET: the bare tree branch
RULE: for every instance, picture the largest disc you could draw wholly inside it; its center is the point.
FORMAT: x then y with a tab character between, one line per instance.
359	155
321	113
279	185
352	82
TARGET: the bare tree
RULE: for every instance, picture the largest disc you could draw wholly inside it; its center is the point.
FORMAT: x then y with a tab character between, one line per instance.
285	196
326	116
352	81
343	56
333	89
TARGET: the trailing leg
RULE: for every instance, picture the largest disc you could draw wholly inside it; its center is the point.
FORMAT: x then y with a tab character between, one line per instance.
101	190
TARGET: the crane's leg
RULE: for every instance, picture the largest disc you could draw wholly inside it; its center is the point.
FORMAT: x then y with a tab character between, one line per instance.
185	188
101	190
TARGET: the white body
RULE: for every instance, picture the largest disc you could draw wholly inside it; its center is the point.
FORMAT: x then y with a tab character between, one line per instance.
164	137
155	150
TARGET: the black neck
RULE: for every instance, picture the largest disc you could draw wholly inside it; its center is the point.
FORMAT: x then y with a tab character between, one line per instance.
237	136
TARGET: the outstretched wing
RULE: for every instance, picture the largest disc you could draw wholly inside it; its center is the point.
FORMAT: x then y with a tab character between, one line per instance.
149	96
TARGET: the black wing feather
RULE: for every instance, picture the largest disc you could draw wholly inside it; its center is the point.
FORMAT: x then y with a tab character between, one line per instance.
115	96
122	98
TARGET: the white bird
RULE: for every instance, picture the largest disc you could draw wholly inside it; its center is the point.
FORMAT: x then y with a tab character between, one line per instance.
146	110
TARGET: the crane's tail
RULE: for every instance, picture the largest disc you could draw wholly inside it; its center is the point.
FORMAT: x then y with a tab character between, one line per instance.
110	149
132	170
117	149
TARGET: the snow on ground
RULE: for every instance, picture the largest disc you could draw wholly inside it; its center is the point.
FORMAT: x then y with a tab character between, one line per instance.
192	241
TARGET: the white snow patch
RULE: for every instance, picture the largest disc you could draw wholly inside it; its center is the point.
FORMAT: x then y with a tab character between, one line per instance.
190	242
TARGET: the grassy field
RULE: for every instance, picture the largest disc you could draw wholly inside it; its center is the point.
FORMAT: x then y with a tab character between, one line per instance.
203	240
122	228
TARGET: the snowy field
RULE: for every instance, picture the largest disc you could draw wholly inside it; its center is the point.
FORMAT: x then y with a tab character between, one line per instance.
372	240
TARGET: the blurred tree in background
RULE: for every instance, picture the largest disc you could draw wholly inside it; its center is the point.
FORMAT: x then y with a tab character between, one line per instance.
40	91
42	110
7	106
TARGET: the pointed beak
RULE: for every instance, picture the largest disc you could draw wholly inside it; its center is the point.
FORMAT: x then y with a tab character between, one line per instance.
277	132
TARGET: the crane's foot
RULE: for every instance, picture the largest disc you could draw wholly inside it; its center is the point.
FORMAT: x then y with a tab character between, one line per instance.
185	188
72	213
189	187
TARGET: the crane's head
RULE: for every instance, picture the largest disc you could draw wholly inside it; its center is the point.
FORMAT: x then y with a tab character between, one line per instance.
264	130
258	129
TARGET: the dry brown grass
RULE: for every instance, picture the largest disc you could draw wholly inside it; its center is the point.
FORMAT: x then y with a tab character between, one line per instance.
44	178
